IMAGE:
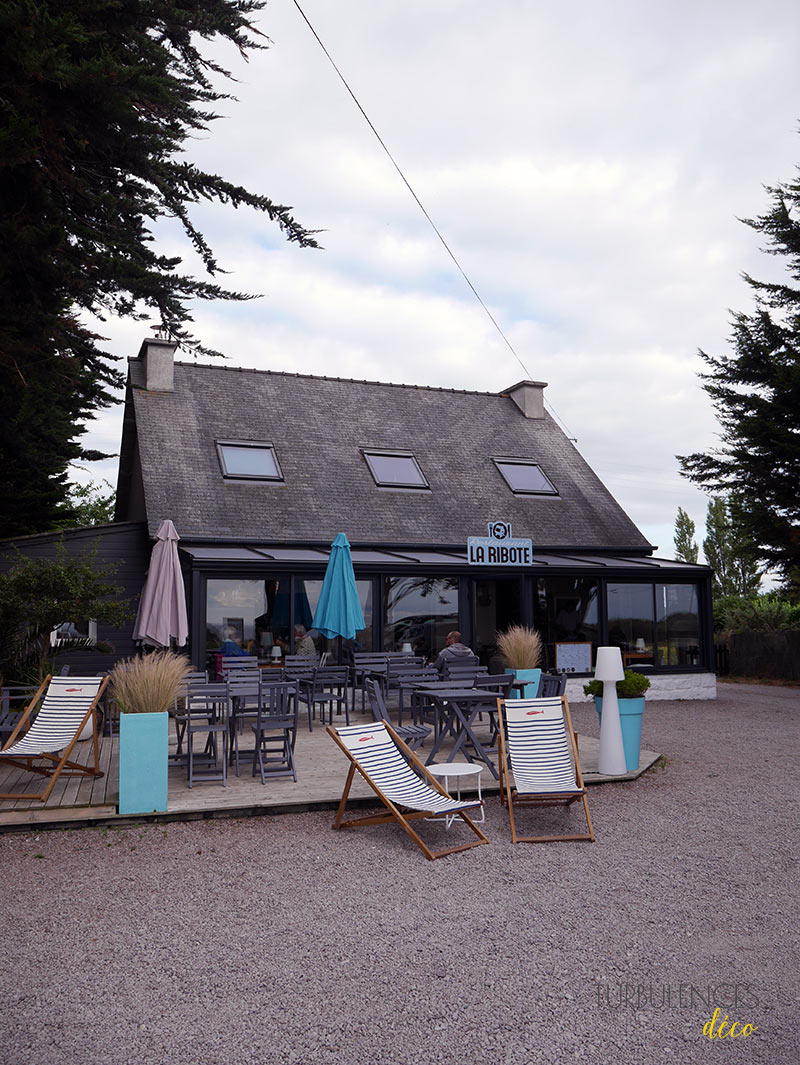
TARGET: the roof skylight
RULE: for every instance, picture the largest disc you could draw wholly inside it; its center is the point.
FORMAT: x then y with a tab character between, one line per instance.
395	469
525	478
248	460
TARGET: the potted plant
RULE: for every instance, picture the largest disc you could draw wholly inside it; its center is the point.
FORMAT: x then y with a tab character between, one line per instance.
144	689
521	649
630	694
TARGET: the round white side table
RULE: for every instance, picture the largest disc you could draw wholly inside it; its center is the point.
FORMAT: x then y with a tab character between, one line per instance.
459	771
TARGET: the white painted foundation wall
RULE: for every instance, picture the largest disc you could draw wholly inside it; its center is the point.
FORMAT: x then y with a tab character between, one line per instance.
669	686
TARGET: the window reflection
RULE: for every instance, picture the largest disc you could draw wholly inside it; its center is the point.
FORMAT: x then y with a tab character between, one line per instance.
419	611
253	616
678	625
565	612
655	624
232	607
631	624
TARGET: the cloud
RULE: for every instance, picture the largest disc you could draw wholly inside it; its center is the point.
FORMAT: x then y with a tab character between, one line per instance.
587	165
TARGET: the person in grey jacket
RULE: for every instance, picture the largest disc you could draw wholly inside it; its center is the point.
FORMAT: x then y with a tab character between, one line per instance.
452	651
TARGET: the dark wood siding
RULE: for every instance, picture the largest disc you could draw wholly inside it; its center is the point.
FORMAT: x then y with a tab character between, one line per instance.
126	546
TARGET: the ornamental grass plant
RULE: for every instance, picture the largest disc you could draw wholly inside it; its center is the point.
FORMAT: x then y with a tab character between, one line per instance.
520	647
149	684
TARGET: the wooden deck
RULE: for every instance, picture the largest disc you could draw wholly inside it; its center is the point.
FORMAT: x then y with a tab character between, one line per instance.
321	772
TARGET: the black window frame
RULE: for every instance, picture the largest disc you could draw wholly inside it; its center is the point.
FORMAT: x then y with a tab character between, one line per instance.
394	453
254	445
500	462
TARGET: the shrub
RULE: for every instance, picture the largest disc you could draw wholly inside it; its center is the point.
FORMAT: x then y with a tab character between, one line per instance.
520	647
150	684
38	594
632	686
766	613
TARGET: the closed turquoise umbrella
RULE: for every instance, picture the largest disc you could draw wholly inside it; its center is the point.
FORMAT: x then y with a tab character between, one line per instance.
338	611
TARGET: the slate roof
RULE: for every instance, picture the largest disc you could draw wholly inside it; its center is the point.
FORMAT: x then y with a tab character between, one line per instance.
318	425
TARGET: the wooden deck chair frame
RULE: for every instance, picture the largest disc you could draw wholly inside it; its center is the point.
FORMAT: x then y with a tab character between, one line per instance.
509	795
394	813
61	764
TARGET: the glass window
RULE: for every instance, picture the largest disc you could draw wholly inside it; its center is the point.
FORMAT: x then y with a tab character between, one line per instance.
565	613
498	606
631	625
239	615
254	616
525	477
395	469
678	625
253	460
419	611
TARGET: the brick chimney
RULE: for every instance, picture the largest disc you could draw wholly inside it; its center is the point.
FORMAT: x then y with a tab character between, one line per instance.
159	366
529	397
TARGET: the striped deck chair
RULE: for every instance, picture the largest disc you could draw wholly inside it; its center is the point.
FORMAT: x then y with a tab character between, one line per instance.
399	779
44	744
537	745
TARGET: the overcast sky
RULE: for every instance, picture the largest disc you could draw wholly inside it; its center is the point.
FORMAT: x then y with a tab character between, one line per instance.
587	162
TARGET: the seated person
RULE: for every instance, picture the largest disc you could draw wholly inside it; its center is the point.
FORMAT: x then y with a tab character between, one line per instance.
452	651
230	646
303	644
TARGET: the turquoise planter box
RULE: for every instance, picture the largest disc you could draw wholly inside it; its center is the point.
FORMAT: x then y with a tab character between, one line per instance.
531	678
143	763
630	719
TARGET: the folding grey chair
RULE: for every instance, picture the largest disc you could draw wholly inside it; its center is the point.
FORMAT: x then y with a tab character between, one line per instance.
192	681
500	684
234	665
301	673
244	701
276	731
301	662
413	735
326	689
551	684
460	671
205	713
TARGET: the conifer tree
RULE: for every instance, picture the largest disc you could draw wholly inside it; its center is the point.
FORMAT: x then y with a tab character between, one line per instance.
686	548
756	394
729	551
97	101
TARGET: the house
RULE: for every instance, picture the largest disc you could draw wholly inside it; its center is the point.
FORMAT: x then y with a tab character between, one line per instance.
465	510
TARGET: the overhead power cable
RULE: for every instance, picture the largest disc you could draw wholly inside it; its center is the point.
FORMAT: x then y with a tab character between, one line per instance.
419	203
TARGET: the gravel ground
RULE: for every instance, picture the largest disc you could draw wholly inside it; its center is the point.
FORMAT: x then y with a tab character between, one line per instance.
273	939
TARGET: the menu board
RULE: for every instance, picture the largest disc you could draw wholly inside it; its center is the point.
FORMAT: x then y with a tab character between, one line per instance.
574	657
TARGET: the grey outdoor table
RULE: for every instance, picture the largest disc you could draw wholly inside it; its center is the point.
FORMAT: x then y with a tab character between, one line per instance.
458	708
424	688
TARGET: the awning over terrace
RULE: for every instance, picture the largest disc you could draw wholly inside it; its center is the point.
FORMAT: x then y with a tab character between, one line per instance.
440	559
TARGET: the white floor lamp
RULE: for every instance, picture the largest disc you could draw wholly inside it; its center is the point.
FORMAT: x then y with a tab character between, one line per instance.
608	669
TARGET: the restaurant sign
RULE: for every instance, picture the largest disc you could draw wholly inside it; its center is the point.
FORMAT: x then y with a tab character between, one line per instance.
499	548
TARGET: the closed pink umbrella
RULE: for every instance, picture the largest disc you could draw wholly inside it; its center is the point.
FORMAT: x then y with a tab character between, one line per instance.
162	608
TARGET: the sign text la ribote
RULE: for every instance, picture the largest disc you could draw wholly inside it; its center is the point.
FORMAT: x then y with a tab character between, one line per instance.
499	548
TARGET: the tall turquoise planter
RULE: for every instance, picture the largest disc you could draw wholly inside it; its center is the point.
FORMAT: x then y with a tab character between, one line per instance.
531	678
630	719
143	740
